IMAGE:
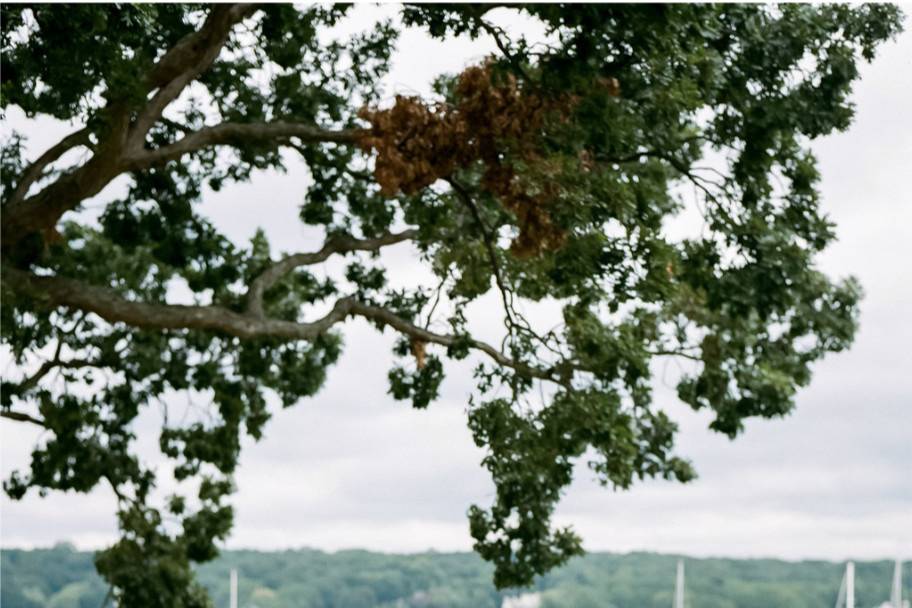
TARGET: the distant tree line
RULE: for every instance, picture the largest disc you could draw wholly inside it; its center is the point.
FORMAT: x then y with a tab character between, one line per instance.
62	577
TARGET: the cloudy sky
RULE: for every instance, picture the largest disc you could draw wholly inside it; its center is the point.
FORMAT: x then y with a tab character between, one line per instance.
353	468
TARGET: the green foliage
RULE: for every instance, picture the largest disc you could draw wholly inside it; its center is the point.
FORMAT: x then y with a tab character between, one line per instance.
646	93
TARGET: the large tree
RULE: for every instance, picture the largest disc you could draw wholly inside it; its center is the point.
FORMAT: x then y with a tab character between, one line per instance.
547	173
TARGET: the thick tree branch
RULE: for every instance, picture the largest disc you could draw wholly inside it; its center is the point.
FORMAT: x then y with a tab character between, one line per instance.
114	308
334	244
238	133
178	67
41	211
187	50
33	172
183	63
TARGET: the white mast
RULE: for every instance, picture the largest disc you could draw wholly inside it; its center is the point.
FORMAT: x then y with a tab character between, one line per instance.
896	593
679	586
846	597
234	595
850	585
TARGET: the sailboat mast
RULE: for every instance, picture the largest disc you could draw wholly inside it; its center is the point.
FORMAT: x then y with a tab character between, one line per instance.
840	598
234	589
850	585
679	586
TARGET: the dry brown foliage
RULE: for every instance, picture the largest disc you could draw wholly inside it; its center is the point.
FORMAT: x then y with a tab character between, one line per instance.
419	350
418	143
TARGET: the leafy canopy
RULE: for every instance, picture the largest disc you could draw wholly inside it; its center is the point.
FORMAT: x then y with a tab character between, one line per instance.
548	173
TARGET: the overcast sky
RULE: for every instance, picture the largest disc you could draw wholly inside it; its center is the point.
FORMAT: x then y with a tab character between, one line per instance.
353	468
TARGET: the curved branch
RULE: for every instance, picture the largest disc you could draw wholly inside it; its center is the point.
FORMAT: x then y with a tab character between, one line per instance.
334	244
33	172
42	210
114	308
383	316
230	133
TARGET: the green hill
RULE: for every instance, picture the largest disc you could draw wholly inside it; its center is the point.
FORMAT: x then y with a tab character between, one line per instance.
62	578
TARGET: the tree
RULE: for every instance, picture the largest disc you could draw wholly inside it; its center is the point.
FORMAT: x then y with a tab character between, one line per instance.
546	173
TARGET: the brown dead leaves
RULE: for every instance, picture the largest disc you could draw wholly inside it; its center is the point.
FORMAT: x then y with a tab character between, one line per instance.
419	350
418	143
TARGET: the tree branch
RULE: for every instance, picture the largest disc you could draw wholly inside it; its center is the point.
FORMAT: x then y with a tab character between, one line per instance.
192	55
47	366
114	308
496	33
122	149
488	240
42	210
675	353
33	172
383	316
184	62
334	244
20	417
512	319
227	133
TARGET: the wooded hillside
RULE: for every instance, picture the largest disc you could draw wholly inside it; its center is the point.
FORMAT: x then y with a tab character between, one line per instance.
64	578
